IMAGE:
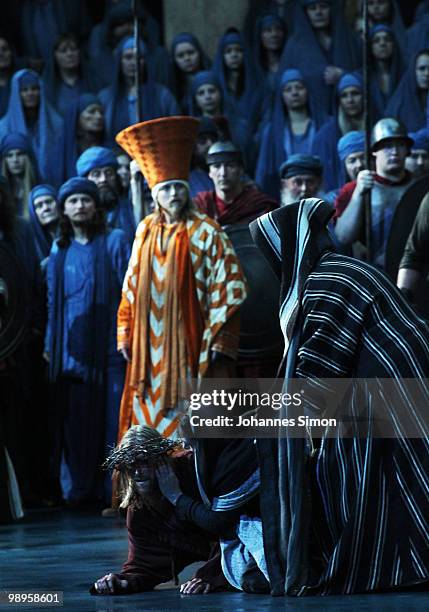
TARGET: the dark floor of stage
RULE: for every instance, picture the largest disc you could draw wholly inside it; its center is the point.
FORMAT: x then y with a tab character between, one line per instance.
65	551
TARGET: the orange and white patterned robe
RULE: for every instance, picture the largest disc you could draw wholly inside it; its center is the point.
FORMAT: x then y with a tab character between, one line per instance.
154	309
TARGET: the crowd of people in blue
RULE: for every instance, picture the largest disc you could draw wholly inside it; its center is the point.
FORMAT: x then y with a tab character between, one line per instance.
286	90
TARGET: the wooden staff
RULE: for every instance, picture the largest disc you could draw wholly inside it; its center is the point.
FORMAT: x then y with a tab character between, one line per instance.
367	118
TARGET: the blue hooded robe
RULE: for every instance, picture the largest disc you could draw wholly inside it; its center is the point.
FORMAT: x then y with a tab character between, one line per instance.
304	52
120	109
405	103
180	86
325	143
278	141
248	104
42	239
46	134
42	21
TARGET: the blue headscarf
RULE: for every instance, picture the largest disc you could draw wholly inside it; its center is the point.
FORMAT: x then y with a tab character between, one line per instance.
101	51
277	140
266	79
379	99
250	100
42	240
397	25
238	128
348	80
301	164
156	100
15	141
42	21
78	184
182	92
303	51
60	94
352	142
71	128
421	139
405	103
95	157
47	134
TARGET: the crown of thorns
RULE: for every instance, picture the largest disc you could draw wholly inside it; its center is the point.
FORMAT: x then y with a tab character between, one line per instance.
125	457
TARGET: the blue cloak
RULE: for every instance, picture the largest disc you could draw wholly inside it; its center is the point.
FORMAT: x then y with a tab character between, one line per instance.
47	134
304	52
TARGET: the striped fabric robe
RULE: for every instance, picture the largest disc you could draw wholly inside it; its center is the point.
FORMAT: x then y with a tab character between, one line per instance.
354	518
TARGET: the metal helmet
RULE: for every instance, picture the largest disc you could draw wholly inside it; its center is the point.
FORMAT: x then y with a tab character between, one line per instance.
389	128
223	151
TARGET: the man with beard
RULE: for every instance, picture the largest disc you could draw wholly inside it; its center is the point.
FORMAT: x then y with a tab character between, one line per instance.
390	145
300	177
231	201
174	516
86	268
100	165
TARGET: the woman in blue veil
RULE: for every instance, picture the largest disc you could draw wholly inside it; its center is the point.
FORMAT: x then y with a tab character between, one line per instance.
234	68
119	99
30	113
187	58
349	116
409	100
386	67
322	46
66	75
280	137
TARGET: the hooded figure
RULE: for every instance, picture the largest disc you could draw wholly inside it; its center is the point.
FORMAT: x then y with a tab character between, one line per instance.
278	139
344	515
303	50
42	237
7	68
418	37
409	100
84	128
42	21
45	129
67	55
19	167
246	99
386	67
348	117
238	128
120	105
269	39
117	24
184	69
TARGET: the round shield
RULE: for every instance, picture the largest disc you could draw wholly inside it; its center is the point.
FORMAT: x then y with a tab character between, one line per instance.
402	222
260	332
13	302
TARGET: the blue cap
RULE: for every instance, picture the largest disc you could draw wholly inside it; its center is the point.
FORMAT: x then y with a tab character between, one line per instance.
15	140
352	142
95	157
298	163
27	78
268	20
292	74
349	80
128	43
43	190
77	184
204	77
87	99
421	139
381	27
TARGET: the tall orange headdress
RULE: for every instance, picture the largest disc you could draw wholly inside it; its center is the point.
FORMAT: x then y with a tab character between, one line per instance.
161	147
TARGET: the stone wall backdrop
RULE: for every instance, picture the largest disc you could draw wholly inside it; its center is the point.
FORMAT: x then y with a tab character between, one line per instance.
207	19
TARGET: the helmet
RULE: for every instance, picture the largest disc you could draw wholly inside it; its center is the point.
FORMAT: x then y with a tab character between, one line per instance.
389	128
223	151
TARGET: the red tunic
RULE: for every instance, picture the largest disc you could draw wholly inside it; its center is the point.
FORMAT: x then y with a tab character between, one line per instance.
247	206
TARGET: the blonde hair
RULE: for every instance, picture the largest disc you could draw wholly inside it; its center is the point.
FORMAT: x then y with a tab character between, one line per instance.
28	181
